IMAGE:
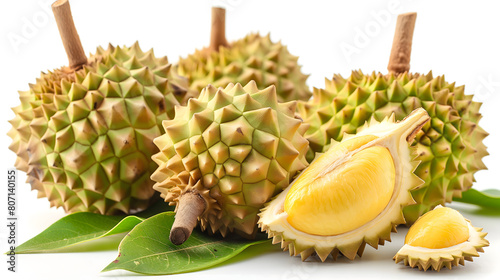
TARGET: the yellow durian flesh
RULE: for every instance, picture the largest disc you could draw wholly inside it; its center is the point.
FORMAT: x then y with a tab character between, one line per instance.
441	228
353	216
441	238
343	189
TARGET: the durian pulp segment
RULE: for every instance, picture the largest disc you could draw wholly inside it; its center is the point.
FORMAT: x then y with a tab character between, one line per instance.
343	189
441	228
387	135
435	258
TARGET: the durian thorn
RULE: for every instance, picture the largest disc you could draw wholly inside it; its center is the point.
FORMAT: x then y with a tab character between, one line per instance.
190	206
69	35
412	124
399	60
218	32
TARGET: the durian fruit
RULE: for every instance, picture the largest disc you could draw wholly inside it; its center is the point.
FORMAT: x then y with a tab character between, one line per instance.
84	133
450	146
254	57
349	196
441	237
224	155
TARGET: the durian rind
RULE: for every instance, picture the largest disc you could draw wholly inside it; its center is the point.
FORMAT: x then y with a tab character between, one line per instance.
273	219
84	137
254	57
237	147
425	258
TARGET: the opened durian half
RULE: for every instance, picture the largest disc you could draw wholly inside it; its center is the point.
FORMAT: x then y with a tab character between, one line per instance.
351	195
450	146
441	237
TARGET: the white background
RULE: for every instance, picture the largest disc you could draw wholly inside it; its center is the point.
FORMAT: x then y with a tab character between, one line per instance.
456	38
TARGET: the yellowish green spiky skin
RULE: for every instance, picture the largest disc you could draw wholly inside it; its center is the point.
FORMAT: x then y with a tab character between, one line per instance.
237	147
85	137
388	134
450	146
255	58
435	259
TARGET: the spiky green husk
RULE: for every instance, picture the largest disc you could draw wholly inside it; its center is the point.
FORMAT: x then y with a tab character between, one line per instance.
450	146
237	147
255	58
85	137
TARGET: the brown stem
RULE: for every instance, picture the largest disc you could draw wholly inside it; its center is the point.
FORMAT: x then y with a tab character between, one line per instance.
218	32
69	35
399	61
191	206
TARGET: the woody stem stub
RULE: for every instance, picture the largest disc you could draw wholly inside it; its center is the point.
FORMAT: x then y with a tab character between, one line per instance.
399	61
218	31
190	206
69	35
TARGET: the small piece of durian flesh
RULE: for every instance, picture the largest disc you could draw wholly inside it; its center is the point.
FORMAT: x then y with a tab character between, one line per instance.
440	228
343	189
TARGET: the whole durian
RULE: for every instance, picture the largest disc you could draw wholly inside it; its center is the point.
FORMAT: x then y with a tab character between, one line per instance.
254	57
84	134
351	195
449	147
224	155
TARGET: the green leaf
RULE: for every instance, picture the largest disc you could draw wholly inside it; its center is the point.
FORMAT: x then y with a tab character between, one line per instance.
77	228
147	249
82	226
488	198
